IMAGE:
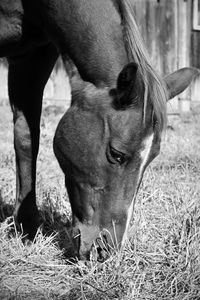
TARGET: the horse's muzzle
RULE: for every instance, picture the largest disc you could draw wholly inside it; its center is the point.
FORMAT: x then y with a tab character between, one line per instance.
98	248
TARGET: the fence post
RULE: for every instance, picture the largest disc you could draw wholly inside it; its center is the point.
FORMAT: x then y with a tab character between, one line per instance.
184	32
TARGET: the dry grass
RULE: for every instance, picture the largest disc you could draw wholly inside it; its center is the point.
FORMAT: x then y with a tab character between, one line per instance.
161	259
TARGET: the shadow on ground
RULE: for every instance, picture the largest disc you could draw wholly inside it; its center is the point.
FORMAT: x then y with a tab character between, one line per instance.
53	223
56	223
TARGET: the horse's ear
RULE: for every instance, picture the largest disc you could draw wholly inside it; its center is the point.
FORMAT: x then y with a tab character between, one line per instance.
178	81
125	84
127	76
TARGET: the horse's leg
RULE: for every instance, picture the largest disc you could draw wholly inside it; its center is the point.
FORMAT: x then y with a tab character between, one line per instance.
26	81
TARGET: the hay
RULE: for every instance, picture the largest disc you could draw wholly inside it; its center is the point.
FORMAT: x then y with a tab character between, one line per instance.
161	259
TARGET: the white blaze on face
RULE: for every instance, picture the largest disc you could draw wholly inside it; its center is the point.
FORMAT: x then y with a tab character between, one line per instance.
144	154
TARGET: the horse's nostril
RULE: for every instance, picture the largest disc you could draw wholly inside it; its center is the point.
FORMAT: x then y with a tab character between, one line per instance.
102	254
102	249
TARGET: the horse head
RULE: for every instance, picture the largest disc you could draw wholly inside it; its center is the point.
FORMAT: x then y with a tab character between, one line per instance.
104	143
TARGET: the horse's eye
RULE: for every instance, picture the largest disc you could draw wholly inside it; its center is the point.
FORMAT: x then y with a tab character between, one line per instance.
117	156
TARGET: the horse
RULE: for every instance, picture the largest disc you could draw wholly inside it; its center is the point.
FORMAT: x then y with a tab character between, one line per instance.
113	128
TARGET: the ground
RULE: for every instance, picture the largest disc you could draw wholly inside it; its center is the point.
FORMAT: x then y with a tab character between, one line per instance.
161	259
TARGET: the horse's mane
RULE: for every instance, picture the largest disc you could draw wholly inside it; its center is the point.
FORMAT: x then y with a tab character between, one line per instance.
154	86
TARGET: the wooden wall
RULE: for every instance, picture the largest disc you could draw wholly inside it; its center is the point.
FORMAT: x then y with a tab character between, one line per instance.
195	45
157	21
166	27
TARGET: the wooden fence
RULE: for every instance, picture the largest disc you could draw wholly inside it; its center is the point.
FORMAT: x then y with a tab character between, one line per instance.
173	41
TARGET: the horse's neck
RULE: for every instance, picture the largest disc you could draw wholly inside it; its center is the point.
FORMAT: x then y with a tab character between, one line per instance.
102	71
90	32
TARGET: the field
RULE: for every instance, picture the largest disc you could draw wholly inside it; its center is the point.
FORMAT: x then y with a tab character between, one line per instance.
161	258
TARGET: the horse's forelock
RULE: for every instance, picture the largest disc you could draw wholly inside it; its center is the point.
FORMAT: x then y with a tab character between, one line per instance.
154	85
